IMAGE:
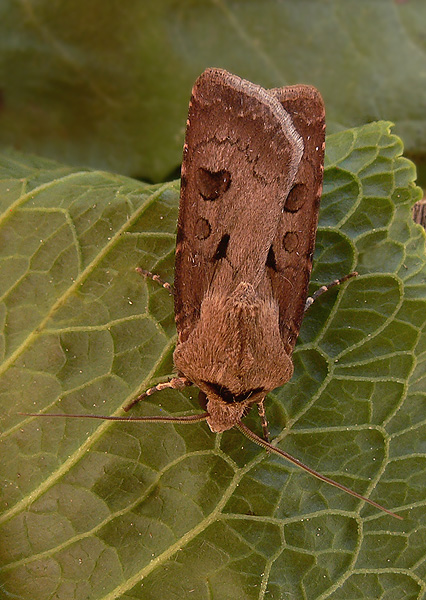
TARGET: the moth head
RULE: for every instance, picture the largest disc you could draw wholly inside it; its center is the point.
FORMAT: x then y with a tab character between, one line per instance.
225	408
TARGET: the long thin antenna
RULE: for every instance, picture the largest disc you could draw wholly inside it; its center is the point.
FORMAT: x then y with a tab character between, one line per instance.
244	430
183	419
260	442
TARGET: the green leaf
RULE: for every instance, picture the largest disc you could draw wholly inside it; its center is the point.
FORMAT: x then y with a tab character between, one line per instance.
107	83
101	510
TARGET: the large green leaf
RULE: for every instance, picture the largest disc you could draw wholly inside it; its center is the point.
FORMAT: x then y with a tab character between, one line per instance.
100	510
107	83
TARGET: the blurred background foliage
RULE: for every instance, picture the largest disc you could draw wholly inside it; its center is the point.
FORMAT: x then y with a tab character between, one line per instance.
106	84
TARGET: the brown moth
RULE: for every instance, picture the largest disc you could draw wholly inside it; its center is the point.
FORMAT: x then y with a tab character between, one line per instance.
251	184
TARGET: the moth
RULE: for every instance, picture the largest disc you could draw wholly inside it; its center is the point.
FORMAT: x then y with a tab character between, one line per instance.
251	183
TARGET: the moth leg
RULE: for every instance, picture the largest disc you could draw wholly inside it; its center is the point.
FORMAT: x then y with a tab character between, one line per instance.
324	288
177	383
165	284
262	415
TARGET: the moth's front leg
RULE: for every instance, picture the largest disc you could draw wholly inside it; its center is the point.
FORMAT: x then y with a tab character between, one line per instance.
165	284
324	288
177	383
263	420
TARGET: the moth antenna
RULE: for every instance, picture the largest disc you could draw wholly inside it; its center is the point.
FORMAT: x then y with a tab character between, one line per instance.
260	442
325	288
244	430
154	419
177	383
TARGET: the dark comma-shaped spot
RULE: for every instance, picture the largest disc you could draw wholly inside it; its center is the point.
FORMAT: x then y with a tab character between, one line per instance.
227	396
270	260
221	248
212	184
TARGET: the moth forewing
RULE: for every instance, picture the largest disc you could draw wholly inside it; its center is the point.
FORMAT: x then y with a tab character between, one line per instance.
294	246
